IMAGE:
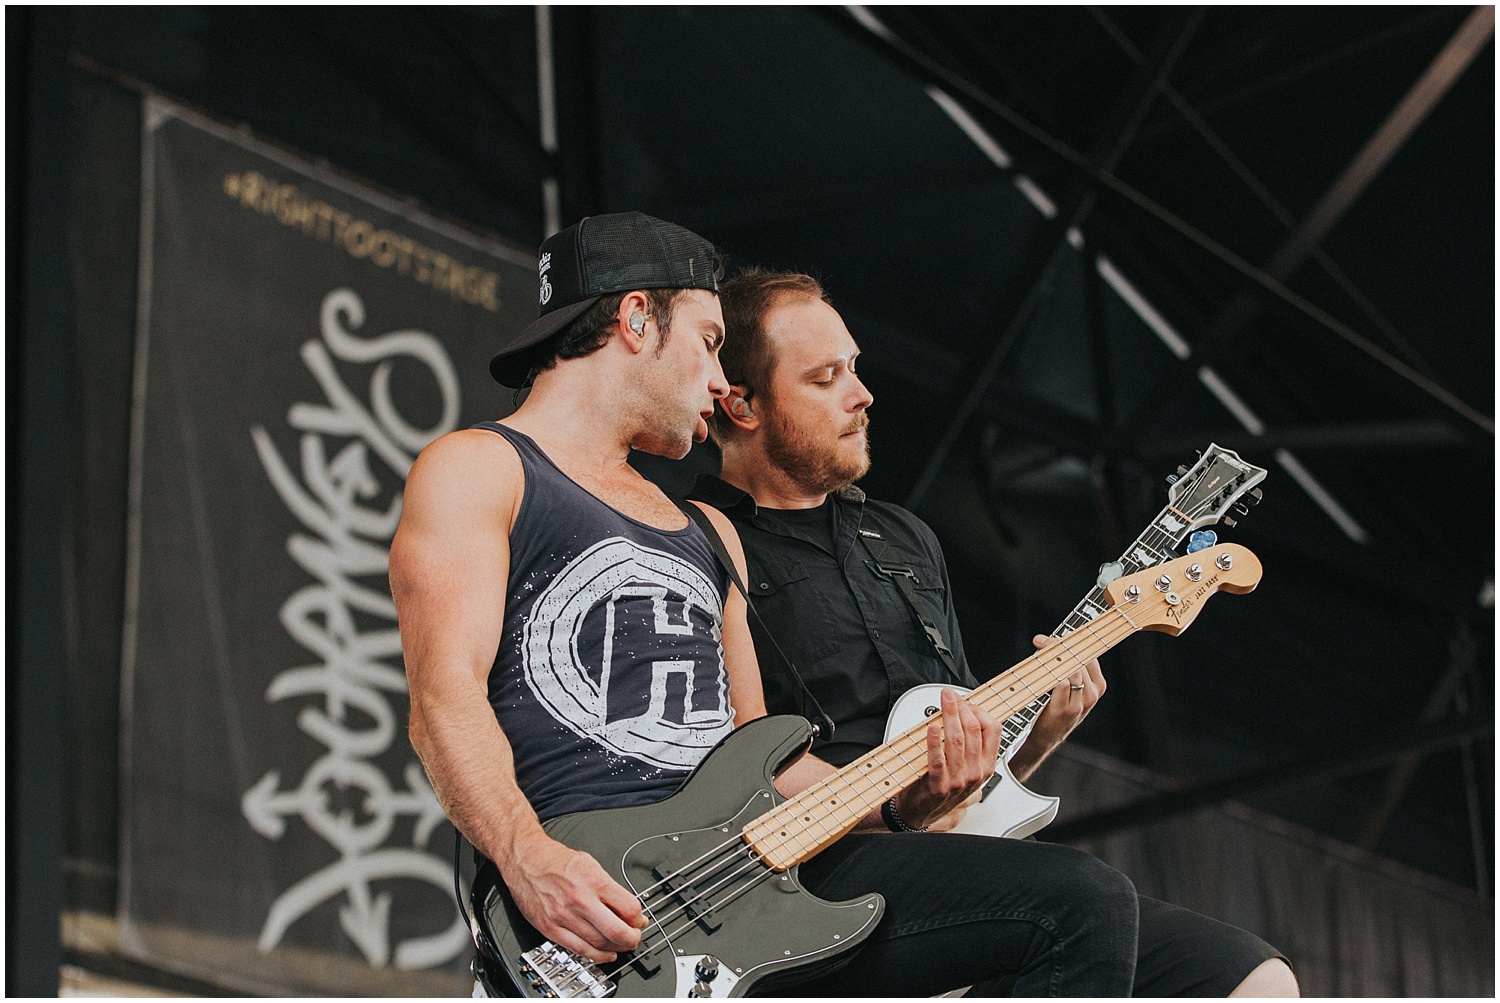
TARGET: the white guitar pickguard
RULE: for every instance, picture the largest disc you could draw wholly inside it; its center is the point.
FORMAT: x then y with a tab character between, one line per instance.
1009	809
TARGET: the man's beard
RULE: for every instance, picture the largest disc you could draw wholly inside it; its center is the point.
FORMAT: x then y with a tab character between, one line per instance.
813	466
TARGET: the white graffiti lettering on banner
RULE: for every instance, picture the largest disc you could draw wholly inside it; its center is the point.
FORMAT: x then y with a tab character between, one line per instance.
344	797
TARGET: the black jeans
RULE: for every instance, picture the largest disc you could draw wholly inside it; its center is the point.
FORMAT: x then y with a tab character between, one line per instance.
1046	919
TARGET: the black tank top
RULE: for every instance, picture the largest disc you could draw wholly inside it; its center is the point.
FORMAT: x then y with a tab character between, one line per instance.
609	682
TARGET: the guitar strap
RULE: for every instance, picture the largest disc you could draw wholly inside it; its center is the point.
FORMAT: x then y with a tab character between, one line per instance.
888	563
822	723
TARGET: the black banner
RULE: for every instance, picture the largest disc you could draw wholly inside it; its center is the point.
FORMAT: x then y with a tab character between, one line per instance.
301	339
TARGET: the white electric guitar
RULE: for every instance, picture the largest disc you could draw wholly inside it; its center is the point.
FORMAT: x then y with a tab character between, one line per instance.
1198	497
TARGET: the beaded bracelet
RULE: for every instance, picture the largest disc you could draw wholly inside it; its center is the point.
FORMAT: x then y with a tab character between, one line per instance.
893	819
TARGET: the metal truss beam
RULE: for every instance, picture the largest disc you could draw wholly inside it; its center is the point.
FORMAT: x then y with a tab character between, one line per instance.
1410	112
1111	148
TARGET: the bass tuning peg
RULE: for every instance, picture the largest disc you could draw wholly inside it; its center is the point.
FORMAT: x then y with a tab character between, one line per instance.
1255	495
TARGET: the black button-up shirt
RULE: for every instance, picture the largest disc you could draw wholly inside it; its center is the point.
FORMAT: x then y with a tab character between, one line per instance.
853	637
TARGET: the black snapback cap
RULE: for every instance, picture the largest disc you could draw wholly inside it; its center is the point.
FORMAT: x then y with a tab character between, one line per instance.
597	256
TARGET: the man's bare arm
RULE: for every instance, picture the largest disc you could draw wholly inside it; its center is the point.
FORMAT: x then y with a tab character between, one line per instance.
450	563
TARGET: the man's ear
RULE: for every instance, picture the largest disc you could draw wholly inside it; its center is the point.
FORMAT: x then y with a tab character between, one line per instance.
631	318
741	408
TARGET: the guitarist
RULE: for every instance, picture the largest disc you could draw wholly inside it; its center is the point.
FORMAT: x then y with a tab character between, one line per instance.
793	433
572	644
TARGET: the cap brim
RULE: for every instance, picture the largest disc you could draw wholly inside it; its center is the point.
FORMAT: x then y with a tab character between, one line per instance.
513	364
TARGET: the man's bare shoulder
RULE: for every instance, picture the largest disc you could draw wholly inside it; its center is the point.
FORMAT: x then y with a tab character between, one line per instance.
471	471
727	532
465	455
719	519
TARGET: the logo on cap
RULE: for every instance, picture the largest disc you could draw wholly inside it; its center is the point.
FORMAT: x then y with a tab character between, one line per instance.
542	267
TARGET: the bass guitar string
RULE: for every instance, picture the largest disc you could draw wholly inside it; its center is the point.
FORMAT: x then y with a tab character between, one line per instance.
1027	672
1167	541
753	861
1156	540
1034	666
1024	674
1021	670
758	860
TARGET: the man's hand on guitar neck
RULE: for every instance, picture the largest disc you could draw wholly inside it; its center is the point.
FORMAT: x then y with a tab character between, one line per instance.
961	752
572	901
1071	702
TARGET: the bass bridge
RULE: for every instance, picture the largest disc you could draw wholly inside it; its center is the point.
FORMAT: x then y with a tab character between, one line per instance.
556	973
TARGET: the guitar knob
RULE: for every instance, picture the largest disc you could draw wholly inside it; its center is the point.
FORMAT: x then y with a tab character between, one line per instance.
1242	509
1181	469
1195	572
1164	583
707	968
1229	522
1255	496
1171	479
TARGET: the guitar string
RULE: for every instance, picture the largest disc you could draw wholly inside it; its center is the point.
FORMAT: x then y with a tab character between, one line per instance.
733	840
1043	667
1158	547
1025	673
758	858
916	746
1021	672
1033	664
914	739
683	905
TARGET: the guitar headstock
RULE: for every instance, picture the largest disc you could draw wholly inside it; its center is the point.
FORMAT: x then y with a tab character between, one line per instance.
1205	492
1169	596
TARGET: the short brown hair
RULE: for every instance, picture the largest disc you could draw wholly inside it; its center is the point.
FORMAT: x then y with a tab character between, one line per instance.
590	330
748	354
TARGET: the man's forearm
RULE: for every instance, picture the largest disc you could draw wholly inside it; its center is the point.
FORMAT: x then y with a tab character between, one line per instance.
471	769
1028	757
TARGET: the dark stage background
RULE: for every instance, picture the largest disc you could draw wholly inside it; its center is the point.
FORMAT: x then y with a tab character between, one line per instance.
1075	244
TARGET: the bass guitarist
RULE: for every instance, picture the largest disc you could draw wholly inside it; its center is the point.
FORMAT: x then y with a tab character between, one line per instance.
827	568
571	644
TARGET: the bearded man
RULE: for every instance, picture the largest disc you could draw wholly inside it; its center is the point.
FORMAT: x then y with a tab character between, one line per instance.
793	431
573	649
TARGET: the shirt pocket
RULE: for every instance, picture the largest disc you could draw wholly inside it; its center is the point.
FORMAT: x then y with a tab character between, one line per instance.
797	612
931	599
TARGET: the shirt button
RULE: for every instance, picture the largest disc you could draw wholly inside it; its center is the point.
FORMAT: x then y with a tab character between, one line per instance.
874	633
765	586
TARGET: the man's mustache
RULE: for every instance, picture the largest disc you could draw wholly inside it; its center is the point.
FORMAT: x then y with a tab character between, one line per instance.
862	422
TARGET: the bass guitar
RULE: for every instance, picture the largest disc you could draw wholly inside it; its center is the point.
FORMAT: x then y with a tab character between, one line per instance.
1197	497
715	865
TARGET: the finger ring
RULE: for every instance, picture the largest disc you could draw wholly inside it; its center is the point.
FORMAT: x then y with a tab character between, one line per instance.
1075	687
